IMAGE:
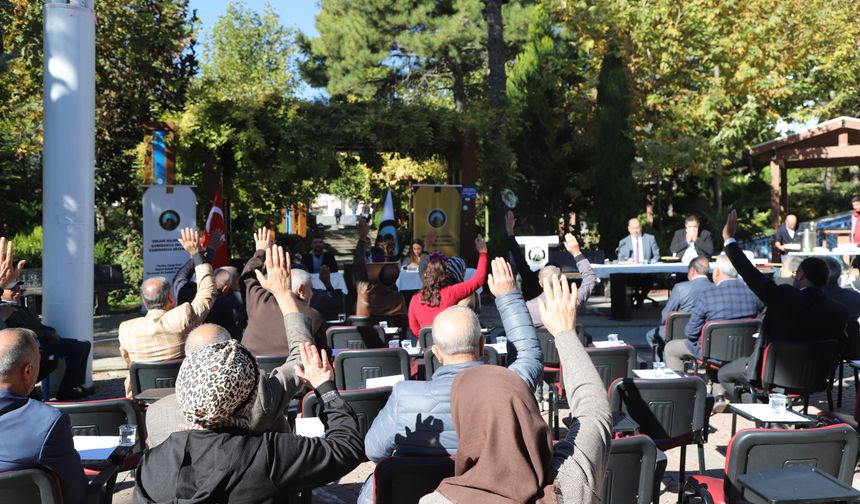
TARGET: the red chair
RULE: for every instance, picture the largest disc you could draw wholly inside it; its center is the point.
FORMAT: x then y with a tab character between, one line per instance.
832	450
799	368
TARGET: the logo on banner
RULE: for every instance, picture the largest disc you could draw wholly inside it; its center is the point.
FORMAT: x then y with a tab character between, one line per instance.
537	253
437	218
169	220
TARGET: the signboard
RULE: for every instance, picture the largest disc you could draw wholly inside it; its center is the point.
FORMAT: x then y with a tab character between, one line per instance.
537	249
164	214
437	208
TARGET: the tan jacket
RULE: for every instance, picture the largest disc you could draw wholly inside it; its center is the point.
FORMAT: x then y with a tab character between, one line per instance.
160	335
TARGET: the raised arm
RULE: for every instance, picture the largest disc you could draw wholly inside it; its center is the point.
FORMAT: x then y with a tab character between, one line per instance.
530	283
184	317
589	278
253	293
183	276
580	458
761	286
359	259
517	322
466	288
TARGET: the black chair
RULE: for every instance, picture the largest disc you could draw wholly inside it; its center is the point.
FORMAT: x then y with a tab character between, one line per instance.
673	413
850	352
404	480
723	341
431	362
832	450
551	359
673	328
149	375
367	403
352	368
799	367
613	362
103	418
355	337
425	337
38	486
630	471
268	363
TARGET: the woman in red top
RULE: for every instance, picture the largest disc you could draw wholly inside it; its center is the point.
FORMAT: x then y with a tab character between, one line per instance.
433	298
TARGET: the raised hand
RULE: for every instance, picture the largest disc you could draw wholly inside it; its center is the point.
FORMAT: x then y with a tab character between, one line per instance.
325	275
190	241
480	245
731	226
277	279
510	222
315	369
571	245
263	239
216	239
501	280
558	306
9	272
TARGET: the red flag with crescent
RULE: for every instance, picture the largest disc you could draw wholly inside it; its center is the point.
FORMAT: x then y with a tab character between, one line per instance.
215	222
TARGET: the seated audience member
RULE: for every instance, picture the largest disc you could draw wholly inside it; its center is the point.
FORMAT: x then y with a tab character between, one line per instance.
226	311
801	312
160	335
416	252
435	295
730	298
377	298
531	281
505	451
682	299
51	346
416	420
275	390
327	301
35	435
848	298
215	457
265	332
690	243
318	256
786	234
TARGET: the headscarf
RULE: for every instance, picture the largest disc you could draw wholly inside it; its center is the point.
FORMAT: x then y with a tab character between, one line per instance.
504	452
216	386
455	268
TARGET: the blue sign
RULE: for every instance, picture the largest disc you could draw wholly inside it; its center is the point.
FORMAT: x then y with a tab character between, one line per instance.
469	193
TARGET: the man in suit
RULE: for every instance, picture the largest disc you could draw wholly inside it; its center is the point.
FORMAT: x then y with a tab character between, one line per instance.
801	312
35	435
786	235
690	242
638	247
683	297
319	256
729	299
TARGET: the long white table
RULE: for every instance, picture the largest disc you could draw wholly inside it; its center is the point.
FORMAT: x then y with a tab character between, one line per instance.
337	282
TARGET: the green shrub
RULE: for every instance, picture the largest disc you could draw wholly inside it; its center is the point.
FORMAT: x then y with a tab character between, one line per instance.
29	247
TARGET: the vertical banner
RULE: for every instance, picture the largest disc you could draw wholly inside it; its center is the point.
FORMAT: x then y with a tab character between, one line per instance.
164	214
159	137
437	208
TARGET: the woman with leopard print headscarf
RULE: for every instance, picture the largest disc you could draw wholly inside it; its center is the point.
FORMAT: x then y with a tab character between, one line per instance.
215	458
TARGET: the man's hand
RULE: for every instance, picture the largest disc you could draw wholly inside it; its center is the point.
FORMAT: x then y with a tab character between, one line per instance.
480	246
262	239
8	271
571	245
501	280
325	276
510	222
731	225
558	306
692	235
363	229
278	280
190	240
315	369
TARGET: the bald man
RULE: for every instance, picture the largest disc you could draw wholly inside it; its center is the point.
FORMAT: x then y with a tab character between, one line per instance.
35	435
160	335
637	247
786	235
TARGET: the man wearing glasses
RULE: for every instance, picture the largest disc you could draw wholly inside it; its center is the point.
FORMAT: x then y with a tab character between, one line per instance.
690	243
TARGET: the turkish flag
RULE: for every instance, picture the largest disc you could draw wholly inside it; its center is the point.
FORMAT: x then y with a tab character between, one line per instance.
215	222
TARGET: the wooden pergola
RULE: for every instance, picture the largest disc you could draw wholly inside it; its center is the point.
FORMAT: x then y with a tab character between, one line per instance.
832	143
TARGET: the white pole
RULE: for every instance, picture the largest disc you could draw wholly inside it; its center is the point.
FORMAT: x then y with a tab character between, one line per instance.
69	167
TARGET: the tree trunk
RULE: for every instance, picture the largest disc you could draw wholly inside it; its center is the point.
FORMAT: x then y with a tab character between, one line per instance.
855	174
828	179
718	191
496	51
458	88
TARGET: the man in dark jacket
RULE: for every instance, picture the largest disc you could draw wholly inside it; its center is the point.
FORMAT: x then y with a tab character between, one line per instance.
416	420
35	435
227	311
800	312
318	256
690	242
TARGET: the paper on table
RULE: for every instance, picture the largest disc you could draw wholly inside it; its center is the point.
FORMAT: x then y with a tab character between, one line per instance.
413	351
608	344
764	414
95	447
310	427
383	381
392	330
501	348
651	374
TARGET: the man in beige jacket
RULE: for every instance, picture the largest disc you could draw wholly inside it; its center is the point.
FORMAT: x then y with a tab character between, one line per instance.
160	335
